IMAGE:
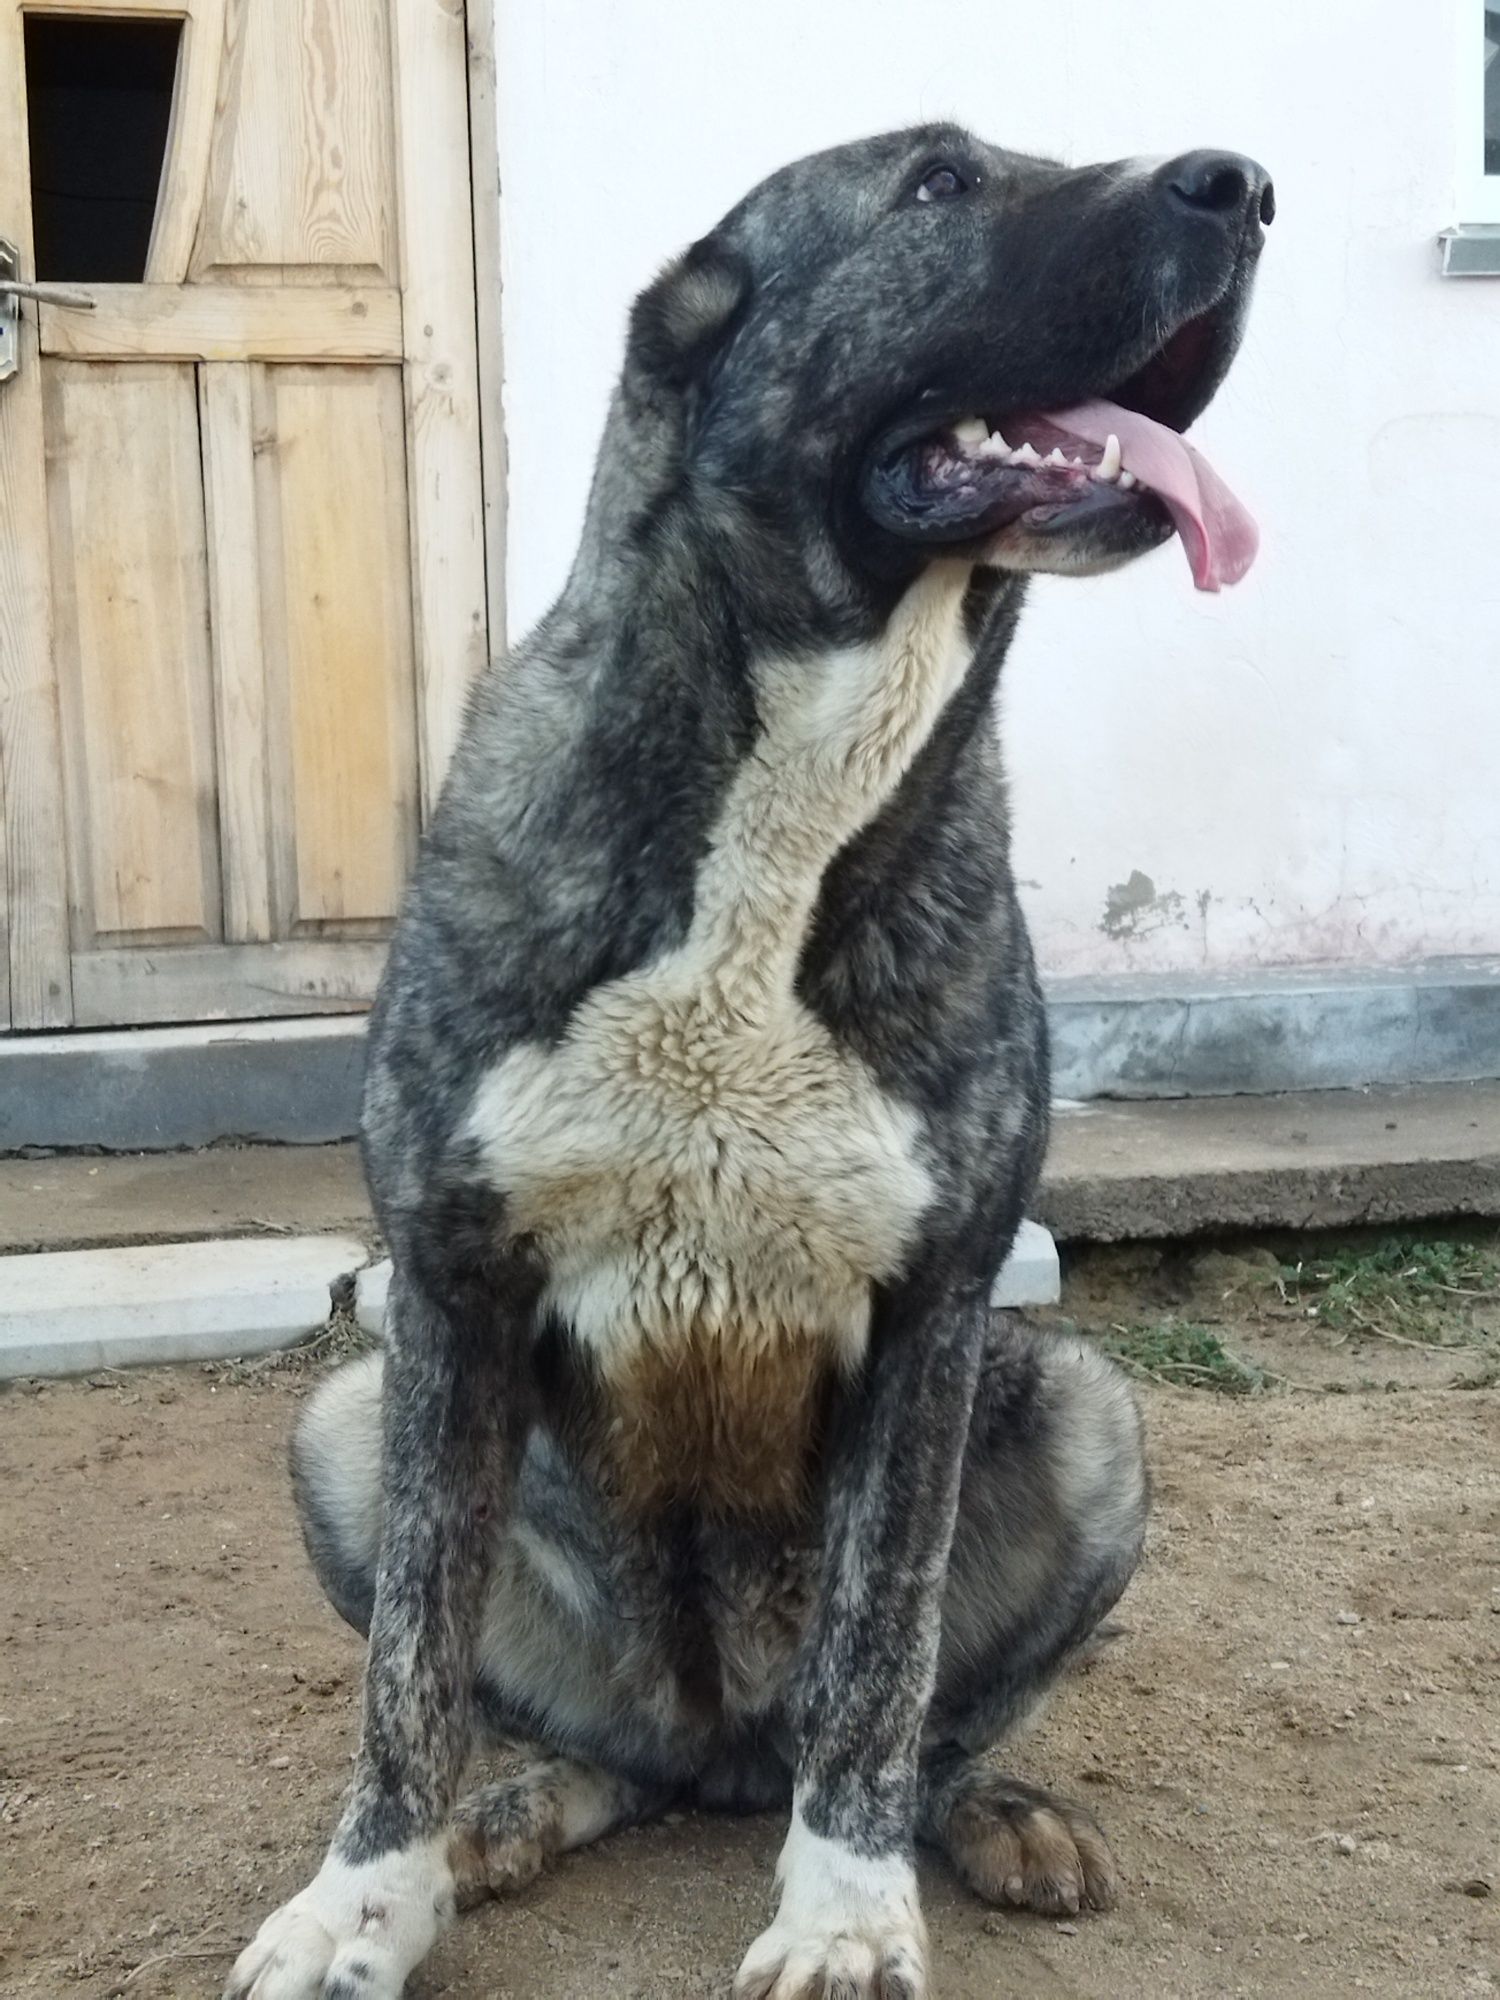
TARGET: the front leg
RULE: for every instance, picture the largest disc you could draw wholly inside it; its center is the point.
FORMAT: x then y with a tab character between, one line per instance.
451	1433
849	1921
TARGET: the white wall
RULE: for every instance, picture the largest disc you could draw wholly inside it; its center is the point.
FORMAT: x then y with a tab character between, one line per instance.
1303	768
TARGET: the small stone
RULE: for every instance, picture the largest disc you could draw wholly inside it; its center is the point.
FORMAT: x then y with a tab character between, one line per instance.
1347	1618
1066	1930
1346	1843
281	1763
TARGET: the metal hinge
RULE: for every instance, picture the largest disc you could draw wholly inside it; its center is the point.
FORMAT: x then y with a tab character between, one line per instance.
12	290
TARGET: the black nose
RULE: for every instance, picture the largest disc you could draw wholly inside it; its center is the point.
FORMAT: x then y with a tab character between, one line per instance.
1223	184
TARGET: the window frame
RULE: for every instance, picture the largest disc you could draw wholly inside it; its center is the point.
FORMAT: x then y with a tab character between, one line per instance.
1477	194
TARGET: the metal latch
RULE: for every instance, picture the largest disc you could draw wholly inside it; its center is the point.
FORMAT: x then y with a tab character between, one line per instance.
12	291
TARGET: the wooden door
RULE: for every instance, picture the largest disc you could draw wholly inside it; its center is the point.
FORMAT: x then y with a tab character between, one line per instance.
242	579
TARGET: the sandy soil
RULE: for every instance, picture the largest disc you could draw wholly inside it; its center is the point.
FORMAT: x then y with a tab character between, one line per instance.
1295	1747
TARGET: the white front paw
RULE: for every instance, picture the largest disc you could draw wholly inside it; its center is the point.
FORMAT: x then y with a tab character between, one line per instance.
848	1923
354	1933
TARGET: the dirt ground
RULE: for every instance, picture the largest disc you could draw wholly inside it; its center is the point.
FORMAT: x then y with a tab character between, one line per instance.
1295	1746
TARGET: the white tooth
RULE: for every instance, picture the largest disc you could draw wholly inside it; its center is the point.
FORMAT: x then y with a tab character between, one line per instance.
1025	454
1055	457
994	446
1127	480
973	430
1109	465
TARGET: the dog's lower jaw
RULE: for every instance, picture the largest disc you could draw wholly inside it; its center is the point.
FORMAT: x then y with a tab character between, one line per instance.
847	1923
357	1930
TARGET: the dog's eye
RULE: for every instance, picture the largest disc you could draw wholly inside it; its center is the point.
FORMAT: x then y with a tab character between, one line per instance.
941	184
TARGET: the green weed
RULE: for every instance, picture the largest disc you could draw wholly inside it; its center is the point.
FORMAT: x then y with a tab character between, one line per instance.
1411	1289
1190	1356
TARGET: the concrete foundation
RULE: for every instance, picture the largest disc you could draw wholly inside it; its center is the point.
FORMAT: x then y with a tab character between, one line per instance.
297	1082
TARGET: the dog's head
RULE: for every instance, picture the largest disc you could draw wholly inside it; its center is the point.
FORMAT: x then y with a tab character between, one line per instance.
923	345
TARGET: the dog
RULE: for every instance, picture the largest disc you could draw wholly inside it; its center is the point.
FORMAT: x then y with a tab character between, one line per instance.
707	1085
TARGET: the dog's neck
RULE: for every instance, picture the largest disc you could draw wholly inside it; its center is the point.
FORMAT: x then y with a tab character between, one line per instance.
837	734
696	739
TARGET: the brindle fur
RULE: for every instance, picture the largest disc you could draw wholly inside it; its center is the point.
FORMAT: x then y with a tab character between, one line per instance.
830	1556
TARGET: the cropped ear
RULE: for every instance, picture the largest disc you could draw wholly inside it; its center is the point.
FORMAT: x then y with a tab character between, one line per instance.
681	319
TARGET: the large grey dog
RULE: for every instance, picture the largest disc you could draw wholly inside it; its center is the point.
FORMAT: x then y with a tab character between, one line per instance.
708	1083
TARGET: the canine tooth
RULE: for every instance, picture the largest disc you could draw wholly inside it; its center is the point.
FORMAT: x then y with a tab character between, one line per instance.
1127	480
1025	454
1109	465
973	430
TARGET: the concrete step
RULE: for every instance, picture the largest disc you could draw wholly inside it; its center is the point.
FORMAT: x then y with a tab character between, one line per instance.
1310	1160
1162	1167
69	1312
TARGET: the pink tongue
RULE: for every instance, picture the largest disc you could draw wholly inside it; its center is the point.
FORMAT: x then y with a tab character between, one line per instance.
1220	537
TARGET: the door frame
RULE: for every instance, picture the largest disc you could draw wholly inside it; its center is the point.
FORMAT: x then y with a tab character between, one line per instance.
451	374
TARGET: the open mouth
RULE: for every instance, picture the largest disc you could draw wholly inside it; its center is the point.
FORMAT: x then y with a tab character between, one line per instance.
1113	471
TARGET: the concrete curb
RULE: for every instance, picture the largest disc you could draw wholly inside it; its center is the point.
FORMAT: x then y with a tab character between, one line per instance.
133	1090
1275	1030
69	1312
1030	1276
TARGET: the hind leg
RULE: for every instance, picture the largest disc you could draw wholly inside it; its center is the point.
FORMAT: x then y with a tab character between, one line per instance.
548	1655
505	1834
1051	1517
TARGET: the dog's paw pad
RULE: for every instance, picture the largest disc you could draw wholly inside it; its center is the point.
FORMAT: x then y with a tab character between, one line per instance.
285	1960
1025	1850
849	1927
353	1933
504	1835
484	1865
843	1966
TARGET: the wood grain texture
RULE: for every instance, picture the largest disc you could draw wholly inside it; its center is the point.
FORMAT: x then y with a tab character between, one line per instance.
301	167
336	614
239	662
4	915
125	508
30	750
442	388
224	982
484	181
179	201
229	323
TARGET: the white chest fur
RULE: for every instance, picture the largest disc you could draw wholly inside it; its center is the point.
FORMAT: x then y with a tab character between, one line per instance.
697	1158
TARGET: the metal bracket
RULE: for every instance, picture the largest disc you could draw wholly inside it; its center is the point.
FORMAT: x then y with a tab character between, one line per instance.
12	291
10	312
1472	250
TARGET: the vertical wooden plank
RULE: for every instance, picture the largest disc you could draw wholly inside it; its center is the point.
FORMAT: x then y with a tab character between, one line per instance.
301	166
234	559
129	589
30	749
184	178
337	619
442	392
484	179
4	915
